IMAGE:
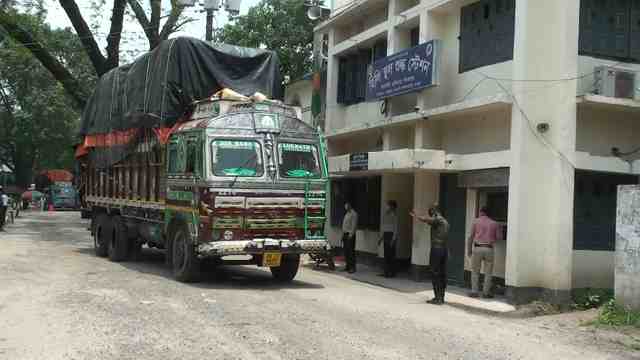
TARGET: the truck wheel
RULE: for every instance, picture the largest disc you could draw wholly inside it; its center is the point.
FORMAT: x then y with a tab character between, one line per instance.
288	268
185	262
118	244
101	234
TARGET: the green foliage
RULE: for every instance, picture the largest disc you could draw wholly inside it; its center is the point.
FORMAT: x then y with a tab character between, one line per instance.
585	299
613	314
279	25
38	122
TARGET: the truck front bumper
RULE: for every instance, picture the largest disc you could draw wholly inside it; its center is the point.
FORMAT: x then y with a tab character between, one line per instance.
260	246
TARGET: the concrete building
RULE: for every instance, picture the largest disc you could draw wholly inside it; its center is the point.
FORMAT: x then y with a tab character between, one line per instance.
299	93
521	119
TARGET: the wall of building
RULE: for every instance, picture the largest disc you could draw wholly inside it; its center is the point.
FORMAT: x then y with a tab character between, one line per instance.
600	129
593	269
300	91
456	87
485	132
362	142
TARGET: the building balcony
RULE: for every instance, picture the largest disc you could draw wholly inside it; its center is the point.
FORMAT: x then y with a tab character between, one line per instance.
468	107
409	160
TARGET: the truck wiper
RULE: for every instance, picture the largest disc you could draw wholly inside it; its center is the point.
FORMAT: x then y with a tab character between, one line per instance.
235	178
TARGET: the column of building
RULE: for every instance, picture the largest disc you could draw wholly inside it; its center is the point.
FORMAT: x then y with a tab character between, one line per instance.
539	246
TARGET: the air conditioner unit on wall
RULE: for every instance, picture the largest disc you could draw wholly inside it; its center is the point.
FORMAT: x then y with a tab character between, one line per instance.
616	83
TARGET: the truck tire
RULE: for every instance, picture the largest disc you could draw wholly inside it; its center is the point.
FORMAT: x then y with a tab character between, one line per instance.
101	234
119	241
288	268
185	262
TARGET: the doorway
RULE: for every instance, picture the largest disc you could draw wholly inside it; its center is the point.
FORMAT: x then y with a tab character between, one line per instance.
453	203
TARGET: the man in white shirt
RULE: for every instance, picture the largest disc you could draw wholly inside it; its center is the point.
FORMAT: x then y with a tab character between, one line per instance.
349	226
390	237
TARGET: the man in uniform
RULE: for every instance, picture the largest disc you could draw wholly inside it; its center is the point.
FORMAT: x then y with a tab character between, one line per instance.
439	253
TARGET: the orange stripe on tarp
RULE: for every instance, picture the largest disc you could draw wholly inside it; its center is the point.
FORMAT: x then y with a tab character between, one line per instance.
120	137
81	151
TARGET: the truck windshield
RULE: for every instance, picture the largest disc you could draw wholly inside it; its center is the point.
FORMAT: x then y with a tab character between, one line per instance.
298	160
236	158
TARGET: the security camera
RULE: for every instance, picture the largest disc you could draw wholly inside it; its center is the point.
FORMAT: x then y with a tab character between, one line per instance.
542	127
416	108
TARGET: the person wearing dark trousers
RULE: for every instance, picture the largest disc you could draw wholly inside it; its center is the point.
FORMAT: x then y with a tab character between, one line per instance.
4	204
439	254
349	226
389	237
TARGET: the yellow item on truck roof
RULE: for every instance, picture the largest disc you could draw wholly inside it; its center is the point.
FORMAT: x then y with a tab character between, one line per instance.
228	94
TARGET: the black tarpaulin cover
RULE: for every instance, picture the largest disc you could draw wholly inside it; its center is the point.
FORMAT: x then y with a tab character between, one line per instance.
152	91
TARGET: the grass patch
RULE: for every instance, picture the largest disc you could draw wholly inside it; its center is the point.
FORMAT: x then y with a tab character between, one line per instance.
613	314
585	299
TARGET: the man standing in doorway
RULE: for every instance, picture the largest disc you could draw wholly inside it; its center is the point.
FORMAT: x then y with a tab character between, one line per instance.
390	238
349	227
484	234
439	253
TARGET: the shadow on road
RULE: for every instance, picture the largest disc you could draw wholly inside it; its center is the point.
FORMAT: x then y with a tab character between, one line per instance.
152	262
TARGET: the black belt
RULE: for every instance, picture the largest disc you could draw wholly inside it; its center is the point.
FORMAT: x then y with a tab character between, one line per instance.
483	245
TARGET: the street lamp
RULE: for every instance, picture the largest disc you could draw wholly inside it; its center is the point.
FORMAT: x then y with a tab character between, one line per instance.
210	7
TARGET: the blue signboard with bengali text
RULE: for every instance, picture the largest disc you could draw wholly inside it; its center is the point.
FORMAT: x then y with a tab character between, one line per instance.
409	70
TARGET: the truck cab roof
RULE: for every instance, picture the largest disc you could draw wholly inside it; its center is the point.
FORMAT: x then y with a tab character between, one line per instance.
237	116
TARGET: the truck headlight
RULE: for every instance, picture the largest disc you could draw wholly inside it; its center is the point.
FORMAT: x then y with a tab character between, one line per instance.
228	235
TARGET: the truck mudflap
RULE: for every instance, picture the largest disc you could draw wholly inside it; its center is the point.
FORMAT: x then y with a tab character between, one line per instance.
260	246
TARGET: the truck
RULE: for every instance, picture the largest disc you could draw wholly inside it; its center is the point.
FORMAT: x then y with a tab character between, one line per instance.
237	180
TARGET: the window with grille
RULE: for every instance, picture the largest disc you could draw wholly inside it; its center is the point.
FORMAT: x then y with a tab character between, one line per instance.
352	73
610	29
487	30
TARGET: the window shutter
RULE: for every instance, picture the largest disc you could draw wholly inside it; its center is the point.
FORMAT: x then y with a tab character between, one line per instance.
504	15
587	27
364	58
485	48
467	37
634	42
342	77
618	28
350	90
415	36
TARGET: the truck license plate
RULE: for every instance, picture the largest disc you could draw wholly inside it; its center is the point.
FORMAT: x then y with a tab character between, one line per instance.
271	259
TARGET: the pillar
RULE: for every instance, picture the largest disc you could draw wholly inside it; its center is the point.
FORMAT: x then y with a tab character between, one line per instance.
425	193
540	227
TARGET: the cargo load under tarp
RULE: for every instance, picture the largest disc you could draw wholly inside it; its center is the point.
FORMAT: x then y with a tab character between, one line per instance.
154	92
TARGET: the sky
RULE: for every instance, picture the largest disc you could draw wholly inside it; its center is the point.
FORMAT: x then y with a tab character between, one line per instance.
134	42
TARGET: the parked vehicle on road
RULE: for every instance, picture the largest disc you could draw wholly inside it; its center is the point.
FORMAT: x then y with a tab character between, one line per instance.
236	180
63	196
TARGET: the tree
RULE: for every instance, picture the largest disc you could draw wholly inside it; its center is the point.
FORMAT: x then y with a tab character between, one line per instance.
28	34
280	25
37	120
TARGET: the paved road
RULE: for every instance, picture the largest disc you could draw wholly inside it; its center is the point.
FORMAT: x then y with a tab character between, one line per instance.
59	301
